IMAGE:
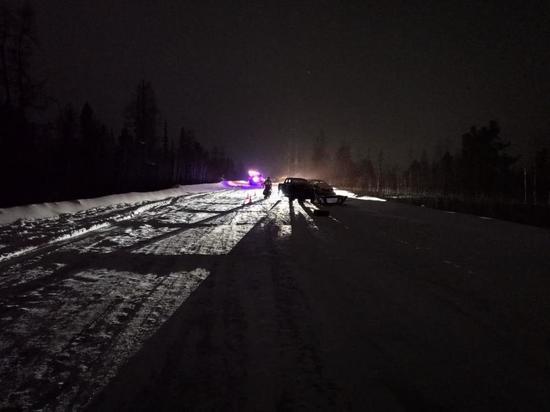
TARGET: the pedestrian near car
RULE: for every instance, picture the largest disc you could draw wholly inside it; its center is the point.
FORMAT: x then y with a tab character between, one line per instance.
267	183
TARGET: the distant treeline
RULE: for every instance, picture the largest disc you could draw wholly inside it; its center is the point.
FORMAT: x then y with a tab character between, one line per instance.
74	154
480	169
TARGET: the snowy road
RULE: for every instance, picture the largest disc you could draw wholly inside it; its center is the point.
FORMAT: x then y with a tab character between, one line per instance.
79	294
225	301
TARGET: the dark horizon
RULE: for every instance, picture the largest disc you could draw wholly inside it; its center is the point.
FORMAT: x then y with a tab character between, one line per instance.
446	99
396	76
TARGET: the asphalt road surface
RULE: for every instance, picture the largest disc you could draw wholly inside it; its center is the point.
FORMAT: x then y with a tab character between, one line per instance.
261	305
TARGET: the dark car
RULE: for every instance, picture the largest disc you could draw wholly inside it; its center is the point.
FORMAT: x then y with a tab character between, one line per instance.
325	194
297	188
322	188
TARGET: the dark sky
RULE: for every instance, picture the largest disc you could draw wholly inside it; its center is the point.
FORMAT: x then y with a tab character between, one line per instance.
394	75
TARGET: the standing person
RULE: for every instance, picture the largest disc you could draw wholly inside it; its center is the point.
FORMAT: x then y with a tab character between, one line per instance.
267	187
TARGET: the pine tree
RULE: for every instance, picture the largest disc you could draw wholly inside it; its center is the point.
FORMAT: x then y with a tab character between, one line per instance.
319	157
142	116
485	164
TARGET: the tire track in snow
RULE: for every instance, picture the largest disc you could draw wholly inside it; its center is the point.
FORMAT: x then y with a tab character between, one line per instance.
110	224
14	283
72	329
67	369
198	238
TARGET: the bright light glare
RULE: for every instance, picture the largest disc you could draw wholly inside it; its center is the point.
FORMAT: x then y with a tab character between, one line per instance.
375	199
352	195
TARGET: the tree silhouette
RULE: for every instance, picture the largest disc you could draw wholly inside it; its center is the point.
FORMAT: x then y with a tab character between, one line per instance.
75	155
67	157
541	175
367	173
319	155
18	94
485	164
344	165
142	118
447	175
6	24
91	133
23	47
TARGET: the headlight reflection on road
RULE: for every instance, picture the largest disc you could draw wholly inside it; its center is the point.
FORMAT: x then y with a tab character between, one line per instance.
352	195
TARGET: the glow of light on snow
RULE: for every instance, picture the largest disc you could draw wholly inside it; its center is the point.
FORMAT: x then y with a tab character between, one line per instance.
109	242
235	183
19	252
217	240
239	184
352	195
179	217
219	237
80	232
282	217
285	231
310	222
374	199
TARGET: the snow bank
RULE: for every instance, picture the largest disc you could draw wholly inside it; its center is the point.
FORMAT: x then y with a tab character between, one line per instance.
45	210
352	195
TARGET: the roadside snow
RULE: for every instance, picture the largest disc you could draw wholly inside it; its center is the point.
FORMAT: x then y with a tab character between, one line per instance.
352	195
34	226
45	210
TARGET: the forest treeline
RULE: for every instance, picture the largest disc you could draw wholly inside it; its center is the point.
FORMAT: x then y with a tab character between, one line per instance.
73	154
480	169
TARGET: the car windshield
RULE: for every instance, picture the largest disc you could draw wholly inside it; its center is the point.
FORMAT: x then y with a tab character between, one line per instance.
321	184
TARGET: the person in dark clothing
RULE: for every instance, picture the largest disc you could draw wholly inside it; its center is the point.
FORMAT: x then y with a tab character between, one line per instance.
267	187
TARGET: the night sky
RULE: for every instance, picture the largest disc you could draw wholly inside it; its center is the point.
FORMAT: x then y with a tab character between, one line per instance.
394	75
